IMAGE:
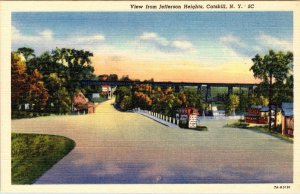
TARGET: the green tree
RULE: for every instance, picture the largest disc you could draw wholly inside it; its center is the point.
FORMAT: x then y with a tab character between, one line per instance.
272	68
28	53
193	99
79	67
233	103
60	99
126	103
121	92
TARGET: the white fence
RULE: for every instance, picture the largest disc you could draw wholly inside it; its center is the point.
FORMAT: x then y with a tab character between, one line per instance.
173	120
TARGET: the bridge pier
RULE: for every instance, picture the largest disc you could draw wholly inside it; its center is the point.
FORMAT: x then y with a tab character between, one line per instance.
230	90
199	89
208	93
177	88
250	91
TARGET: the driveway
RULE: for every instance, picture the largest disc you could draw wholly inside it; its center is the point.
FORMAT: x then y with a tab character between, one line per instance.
117	147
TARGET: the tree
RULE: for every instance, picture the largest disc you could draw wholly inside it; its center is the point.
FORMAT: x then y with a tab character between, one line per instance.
272	68
193	99
37	95
121	92
142	100
79	67
233	103
113	77
59	98
165	101
126	103
19	84
28	53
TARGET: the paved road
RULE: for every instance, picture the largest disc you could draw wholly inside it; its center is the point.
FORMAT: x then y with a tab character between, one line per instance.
116	147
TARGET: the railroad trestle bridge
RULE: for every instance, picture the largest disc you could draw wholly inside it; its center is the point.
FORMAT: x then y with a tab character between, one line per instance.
204	88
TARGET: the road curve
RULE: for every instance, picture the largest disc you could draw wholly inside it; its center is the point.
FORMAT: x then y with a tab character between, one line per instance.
117	147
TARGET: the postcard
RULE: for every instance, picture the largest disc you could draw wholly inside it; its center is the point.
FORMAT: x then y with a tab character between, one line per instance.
149	97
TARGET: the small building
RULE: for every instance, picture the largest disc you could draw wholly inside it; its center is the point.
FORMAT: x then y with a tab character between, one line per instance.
255	116
82	104
287	127
260	115
265	113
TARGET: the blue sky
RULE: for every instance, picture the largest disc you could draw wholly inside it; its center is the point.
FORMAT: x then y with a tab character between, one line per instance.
185	41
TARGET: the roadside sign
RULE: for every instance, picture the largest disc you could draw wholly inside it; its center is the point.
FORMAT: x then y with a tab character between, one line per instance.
192	121
183	119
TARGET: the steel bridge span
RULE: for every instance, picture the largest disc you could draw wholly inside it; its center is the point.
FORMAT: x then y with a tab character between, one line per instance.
202	87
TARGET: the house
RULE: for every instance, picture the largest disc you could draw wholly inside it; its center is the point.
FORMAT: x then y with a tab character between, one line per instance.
260	115
82	104
255	116
287	127
265	113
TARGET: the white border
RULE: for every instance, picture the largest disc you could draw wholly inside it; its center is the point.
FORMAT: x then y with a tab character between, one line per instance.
5	40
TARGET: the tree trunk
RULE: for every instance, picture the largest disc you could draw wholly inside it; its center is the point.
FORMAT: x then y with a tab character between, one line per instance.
270	102
275	121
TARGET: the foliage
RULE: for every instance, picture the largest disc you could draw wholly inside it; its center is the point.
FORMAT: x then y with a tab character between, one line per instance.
142	100
19	85
37	94
259	100
34	154
48	81
111	77
126	103
163	100
60	101
232	103
28	53
275	71
121	92
193	99
26	88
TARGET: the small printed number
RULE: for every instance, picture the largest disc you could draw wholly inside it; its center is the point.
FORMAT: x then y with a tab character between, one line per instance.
281	187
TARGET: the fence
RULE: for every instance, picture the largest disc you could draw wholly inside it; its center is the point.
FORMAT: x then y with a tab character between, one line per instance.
174	121
160	116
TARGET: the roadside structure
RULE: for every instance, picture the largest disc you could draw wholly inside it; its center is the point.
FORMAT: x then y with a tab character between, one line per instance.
255	116
260	115
82	104
188	117
287	127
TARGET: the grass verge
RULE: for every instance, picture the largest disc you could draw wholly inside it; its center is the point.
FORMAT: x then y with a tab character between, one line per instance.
198	128
34	154
262	129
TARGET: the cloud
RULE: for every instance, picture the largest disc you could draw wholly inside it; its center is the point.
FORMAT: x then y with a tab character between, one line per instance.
258	44
163	44
45	40
182	45
151	36
235	46
275	43
46	34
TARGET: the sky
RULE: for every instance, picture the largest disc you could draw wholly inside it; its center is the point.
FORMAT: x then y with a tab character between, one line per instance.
166	46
